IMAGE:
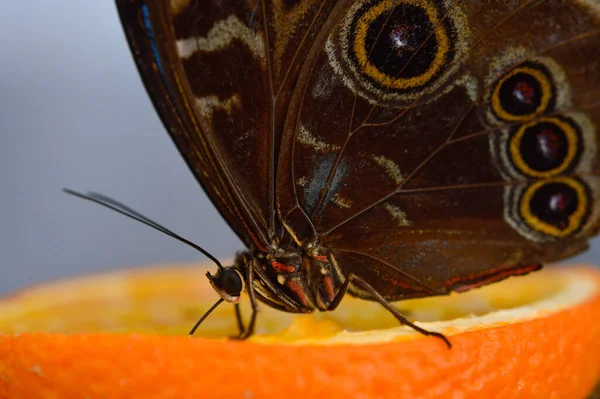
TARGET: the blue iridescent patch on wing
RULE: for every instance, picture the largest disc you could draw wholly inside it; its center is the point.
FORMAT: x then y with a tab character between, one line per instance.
150	33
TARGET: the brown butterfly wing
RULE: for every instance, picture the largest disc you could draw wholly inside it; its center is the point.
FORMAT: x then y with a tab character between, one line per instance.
441	145
221	74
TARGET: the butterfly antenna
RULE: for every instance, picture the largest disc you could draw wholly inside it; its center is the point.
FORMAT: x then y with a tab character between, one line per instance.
130	213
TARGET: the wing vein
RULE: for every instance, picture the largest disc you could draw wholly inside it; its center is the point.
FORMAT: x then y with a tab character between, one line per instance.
453	131
297	52
272	172
333	170
393	267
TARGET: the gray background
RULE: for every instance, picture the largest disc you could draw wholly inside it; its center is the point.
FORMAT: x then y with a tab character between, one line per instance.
73	113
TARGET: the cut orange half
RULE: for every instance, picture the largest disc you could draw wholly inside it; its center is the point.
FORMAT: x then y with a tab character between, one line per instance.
124	335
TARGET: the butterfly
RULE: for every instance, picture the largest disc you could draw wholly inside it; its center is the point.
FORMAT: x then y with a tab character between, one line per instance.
386	149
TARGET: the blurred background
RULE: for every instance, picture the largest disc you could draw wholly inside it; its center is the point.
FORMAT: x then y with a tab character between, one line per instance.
74	113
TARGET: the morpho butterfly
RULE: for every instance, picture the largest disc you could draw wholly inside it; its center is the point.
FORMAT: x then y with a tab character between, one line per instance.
388	149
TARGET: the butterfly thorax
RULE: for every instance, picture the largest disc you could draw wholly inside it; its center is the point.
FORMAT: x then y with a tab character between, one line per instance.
294	279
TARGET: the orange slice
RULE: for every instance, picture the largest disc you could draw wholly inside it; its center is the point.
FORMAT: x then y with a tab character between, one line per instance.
124	335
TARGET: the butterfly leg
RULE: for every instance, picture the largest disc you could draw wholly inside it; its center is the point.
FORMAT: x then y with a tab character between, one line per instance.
340	294
248	331
240	321
388	306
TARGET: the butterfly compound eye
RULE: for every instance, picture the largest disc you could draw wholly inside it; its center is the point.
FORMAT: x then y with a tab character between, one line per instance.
228	283
231	281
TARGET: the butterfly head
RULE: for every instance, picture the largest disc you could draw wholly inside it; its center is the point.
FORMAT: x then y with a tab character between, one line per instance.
228	282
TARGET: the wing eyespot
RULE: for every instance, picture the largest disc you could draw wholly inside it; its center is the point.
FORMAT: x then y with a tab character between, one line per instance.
545	147
525	92
401	46
392	52
556	207
539	142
